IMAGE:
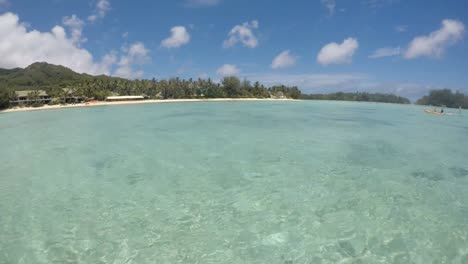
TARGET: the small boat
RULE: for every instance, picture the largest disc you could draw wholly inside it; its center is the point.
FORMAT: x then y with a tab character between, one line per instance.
433	112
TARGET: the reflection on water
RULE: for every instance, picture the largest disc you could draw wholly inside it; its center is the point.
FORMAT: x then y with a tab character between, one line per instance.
257	182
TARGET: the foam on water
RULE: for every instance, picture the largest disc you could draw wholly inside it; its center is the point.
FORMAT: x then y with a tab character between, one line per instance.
244	182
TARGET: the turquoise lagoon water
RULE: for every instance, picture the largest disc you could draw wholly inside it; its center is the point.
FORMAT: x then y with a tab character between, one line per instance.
243	182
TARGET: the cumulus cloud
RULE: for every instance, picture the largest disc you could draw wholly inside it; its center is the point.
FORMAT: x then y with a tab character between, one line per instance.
334	53
179	36
75	25
228	70
201	3
244	34
102	7
385	52
330	5
20	47
435	44
136	54
284	60
109	60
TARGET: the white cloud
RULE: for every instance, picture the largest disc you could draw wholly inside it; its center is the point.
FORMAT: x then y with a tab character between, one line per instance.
330	5
179	36
75	25
128	73
137	54
284	60
334	53
102	7
228	70
92	18
201	3
20	48
203	75
385	52
401	28
244	34
109	60
435	44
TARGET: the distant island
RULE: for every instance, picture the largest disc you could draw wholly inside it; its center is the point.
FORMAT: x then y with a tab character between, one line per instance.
358	97
445	98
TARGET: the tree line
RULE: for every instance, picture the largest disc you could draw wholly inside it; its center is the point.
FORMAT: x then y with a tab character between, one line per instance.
99	89
358	97
53	78
176	88
445	98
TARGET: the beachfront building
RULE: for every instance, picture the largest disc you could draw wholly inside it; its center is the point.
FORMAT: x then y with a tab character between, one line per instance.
31	96
70	96
126	98
42	97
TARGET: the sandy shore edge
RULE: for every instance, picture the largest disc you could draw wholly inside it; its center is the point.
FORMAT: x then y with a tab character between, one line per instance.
51	107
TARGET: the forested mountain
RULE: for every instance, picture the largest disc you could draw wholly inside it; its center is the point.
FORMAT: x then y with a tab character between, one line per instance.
42	75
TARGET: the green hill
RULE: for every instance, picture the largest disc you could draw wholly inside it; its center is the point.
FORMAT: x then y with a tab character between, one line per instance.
42	75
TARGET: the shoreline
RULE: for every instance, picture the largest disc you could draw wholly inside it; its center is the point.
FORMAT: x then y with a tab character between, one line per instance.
104	103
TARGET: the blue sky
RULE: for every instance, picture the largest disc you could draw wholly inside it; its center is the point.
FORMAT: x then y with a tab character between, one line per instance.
319	45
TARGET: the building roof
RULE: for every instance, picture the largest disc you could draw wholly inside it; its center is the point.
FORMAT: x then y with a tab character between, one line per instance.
27	92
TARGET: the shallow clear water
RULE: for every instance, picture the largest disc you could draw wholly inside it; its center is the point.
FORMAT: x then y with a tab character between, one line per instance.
243	182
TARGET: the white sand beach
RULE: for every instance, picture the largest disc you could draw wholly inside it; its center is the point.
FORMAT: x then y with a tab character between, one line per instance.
103	103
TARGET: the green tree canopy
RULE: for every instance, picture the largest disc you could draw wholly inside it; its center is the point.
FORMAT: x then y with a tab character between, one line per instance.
446	98
53	79
232	86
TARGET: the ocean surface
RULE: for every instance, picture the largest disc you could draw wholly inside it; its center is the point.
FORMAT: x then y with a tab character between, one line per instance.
234	182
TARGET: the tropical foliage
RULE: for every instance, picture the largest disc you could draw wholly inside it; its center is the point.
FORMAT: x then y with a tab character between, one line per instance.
445	98
4	99
53	79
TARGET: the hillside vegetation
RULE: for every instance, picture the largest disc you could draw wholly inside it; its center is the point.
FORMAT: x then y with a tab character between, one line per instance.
52	78
44	76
